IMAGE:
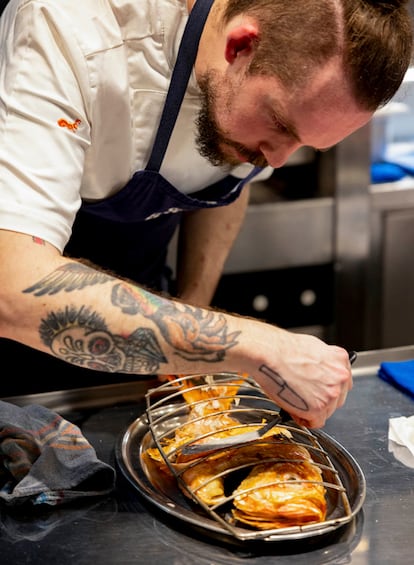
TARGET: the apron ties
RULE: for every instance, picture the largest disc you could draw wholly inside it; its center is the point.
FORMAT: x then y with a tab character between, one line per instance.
186	56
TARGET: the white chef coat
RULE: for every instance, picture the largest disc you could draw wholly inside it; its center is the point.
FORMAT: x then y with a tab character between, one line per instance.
82	87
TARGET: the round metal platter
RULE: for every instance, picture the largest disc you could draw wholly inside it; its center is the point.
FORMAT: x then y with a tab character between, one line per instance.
163	494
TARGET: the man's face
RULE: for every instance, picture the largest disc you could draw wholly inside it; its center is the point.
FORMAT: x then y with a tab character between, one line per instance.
211	141
255	119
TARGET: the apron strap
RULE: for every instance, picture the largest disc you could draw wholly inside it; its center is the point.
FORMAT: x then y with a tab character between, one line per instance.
179	80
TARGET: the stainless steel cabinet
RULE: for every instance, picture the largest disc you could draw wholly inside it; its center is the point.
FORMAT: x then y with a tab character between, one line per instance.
374	238
391	266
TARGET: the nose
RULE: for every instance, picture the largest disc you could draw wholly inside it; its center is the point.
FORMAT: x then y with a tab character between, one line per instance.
277	155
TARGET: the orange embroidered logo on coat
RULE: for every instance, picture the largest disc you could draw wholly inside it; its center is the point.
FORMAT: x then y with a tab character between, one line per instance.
65	124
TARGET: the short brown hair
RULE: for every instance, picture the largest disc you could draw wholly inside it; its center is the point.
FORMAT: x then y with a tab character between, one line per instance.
378	48
374	37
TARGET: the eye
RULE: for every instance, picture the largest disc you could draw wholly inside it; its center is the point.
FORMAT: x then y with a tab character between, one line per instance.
279	125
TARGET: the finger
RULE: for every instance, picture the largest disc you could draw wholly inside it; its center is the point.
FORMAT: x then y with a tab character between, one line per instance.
342	398
311	423
344	393
303	422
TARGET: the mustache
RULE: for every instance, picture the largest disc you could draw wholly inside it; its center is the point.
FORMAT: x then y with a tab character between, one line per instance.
255	158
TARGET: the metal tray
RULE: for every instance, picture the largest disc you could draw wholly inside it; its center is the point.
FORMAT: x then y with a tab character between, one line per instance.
163	494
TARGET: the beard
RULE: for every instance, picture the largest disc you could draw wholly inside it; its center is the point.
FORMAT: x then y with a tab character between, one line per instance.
209	136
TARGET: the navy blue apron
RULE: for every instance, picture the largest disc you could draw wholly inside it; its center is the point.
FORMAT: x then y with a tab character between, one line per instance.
129	232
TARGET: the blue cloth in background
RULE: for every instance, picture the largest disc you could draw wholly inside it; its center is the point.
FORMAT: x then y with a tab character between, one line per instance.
393	168
403	160
399	374
386	172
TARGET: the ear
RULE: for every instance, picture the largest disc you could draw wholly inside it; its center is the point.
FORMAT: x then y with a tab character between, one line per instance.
240	40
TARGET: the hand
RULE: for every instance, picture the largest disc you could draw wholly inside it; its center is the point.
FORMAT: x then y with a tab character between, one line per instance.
310	379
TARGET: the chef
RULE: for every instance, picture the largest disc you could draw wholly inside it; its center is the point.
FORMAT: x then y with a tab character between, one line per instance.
121	121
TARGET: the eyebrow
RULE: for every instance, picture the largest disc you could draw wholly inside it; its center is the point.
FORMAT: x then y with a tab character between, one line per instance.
287	124
291	128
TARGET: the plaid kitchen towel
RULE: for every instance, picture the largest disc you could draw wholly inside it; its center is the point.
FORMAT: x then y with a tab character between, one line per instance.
45	459
400	374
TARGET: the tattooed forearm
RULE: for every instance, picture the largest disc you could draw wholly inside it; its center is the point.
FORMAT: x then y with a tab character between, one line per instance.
69	277
195	334
81	337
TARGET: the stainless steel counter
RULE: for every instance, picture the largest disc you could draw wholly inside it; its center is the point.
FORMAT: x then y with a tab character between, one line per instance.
121	530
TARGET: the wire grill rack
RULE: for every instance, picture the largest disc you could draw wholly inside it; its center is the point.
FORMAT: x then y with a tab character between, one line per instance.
240	398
